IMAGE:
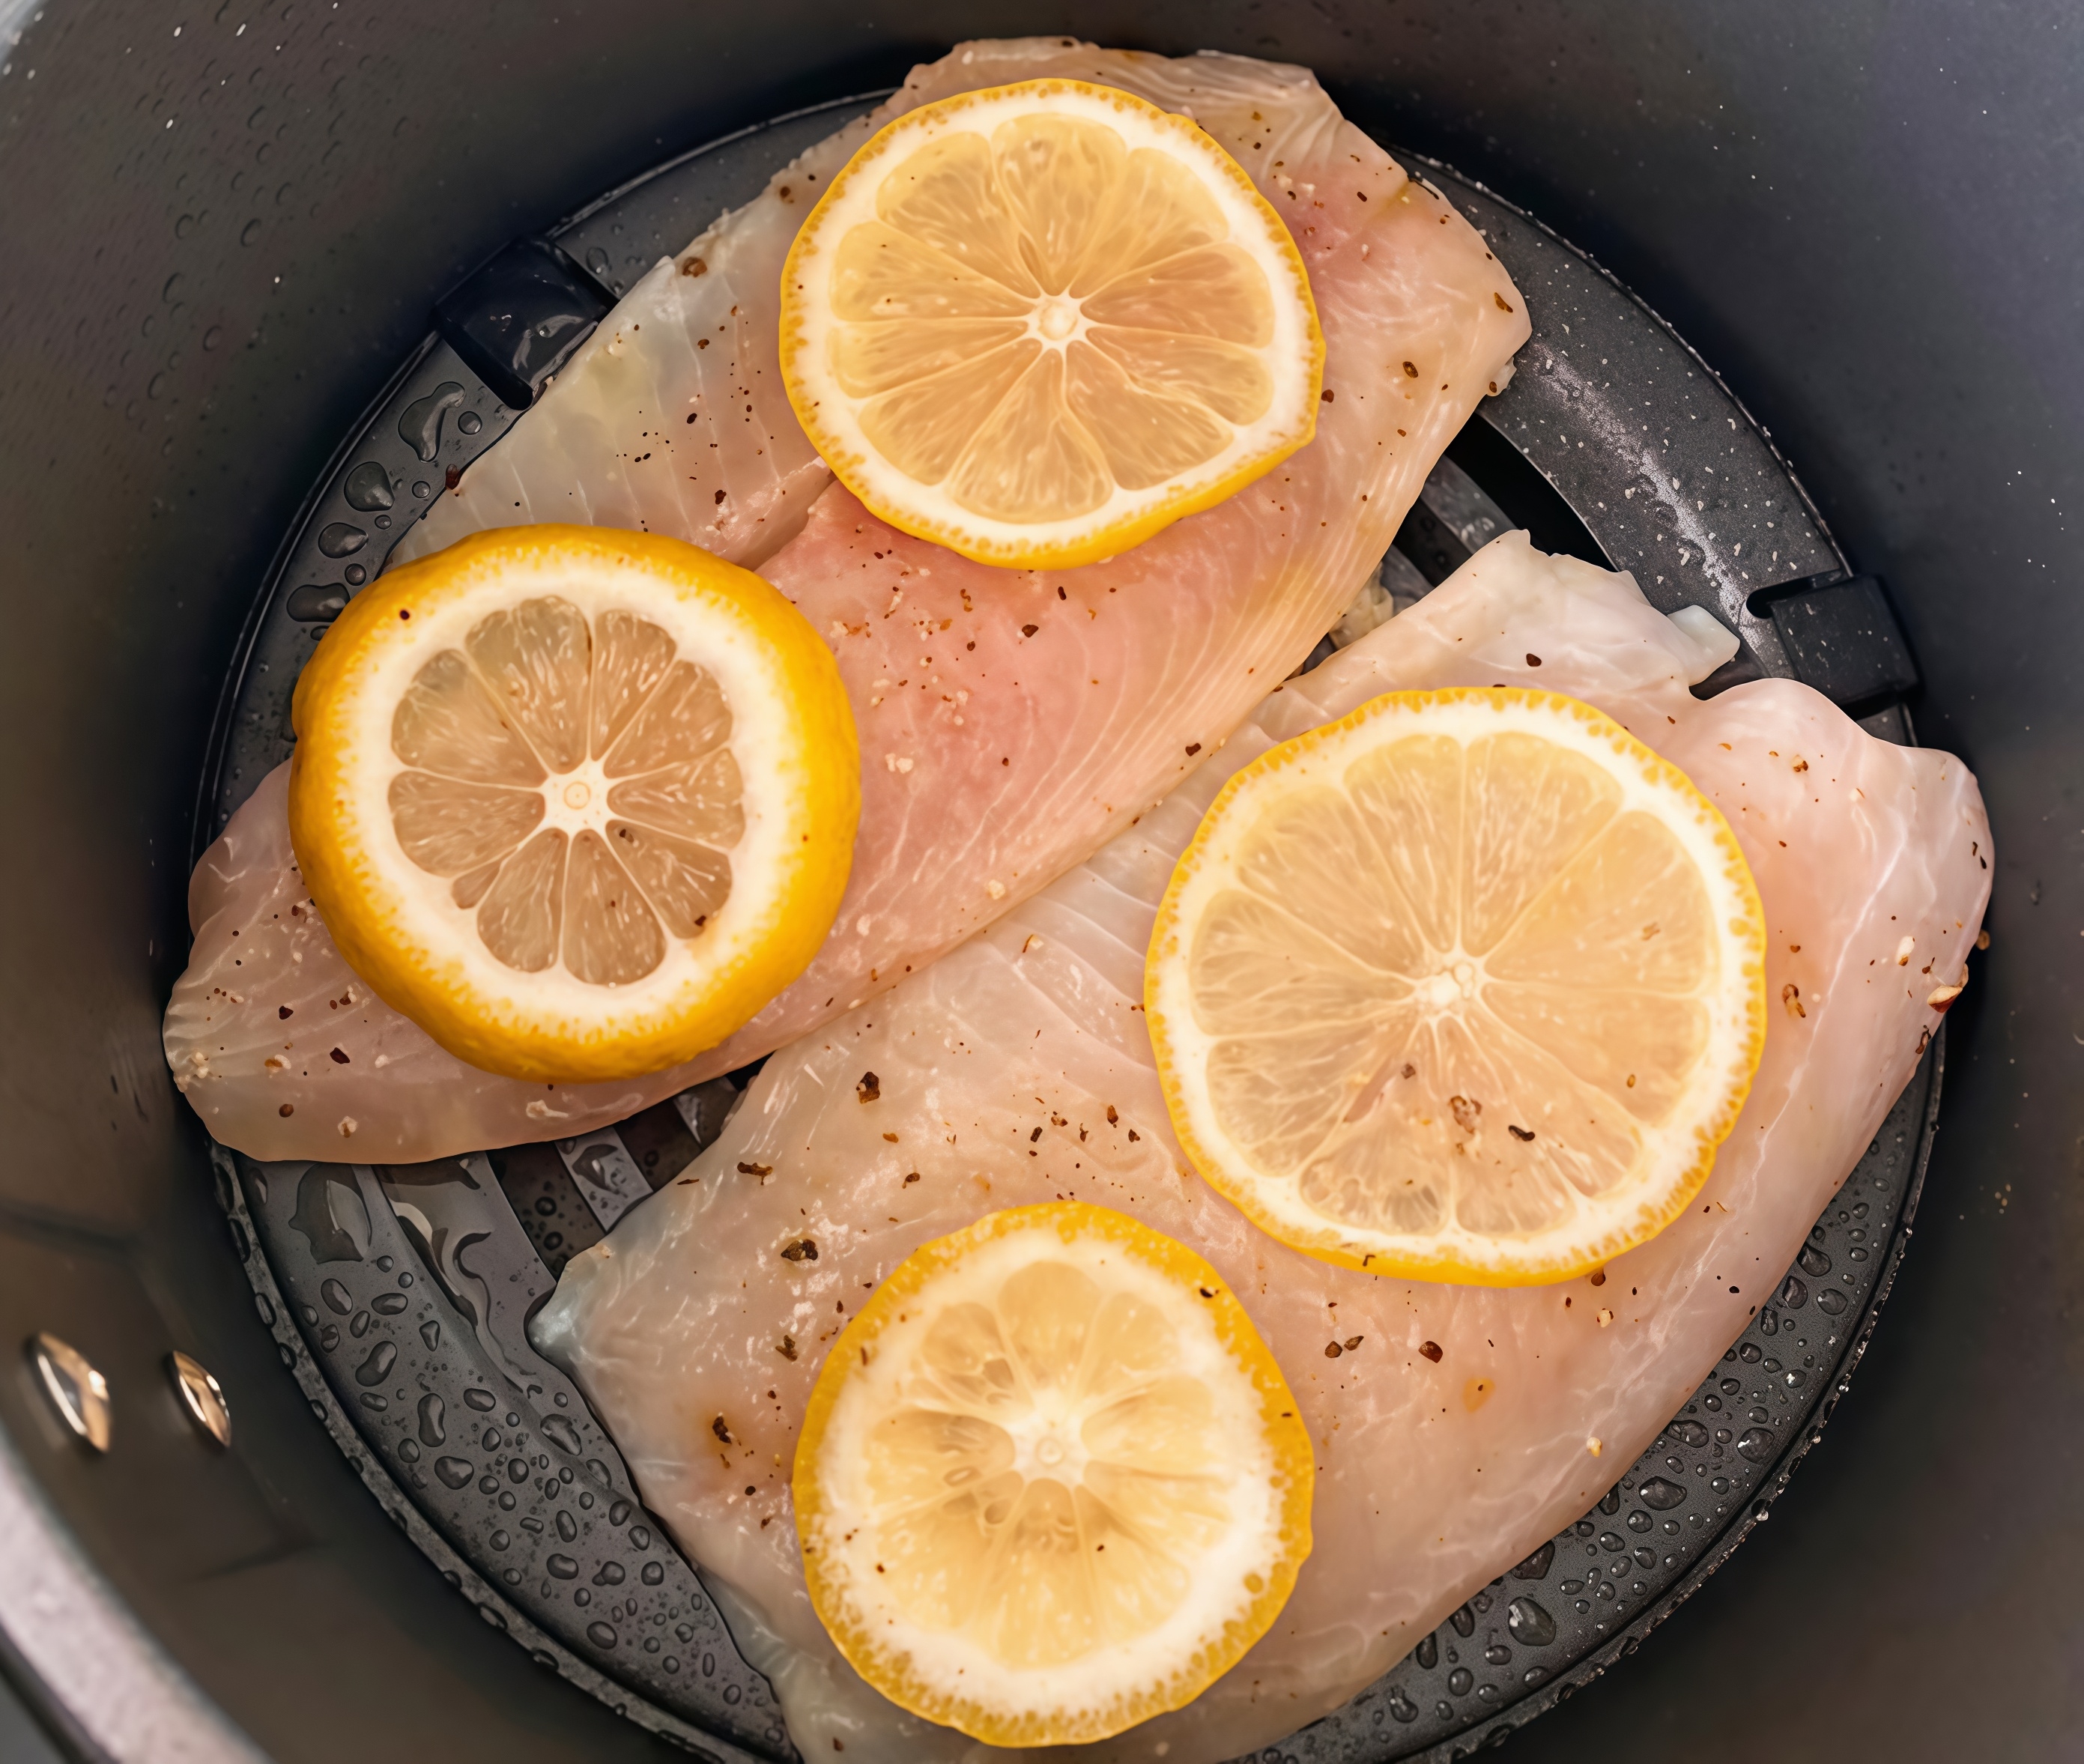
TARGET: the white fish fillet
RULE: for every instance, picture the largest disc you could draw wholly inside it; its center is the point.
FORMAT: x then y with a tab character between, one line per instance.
1011	721
1425	1490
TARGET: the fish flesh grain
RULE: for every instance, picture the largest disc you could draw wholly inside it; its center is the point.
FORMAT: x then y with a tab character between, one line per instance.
1459	1428
1010	720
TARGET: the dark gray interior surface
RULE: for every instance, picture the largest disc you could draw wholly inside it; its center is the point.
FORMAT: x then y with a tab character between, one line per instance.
216	245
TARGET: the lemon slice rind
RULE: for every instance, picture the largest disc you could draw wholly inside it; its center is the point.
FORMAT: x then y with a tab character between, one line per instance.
1679	1150
1237	1586
400	926
1294	353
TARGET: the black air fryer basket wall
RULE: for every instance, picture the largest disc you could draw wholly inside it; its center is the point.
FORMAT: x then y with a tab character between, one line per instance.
222	231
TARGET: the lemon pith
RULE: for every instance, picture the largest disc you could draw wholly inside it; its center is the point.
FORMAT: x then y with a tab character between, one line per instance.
1467	986
1017	1400
578	801
1037	324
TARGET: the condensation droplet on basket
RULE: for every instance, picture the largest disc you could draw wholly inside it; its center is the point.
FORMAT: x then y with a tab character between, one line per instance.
1662	1494
369	489
1757	1443
455	1472
1530	1623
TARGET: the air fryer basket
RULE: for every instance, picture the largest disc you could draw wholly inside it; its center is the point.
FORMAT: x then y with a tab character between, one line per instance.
1612	441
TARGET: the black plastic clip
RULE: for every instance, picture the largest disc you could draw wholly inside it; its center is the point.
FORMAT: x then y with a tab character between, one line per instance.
517	320
1841	637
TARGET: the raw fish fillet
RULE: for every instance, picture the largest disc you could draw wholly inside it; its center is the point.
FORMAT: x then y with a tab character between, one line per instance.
1427	1488
1011	721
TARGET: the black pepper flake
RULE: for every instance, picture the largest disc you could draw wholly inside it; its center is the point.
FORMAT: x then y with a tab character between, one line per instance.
1598	1277
755	1169
910	1180
1112	1118
284	1012
802	1250
1351	1342
1333	1350
719	496
1029	630
1524	1134
1431	1350
1411	368
286	1111
1034	1136
1133	1135
1532	659
1326	395
787	1347
722	1432
1193	747
870	1088
338	1057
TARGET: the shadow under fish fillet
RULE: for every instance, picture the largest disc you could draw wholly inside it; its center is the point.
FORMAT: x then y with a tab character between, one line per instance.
1010	720
1433	1476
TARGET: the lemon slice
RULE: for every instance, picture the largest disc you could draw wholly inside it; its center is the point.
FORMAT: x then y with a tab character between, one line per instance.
1051	1482
1038	323
1467	986
578	801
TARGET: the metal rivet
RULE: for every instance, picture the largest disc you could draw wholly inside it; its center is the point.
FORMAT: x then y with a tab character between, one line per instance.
202	1395
77	1391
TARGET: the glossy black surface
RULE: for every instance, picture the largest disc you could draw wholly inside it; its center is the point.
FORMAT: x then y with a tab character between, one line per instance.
1857	214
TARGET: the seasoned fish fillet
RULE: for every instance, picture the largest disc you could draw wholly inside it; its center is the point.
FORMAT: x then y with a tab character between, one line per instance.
1018	1069
1010	720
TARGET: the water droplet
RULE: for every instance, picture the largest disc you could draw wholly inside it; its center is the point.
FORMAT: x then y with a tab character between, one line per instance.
1459	1679
1497	1654
1814	1262
388	1303
336	1297
339	539
1830	1301
470	422
1796	1377
249	232
377	1366
1464	1620
560	1433
1530	1623
1610	1502
420	428
409	1450
455	1472
359	1326
483	1401
329	1337
610	1574
1662	1495
1427	1652
431	1333
601	1635
499	1539
1536	1567
621	1511
597	261
1793	1293
1402	1706
563	1567
1749	1353
640	1538
369	489
1690	1433
654	1574
1612	1540
332	1214
430	1421
1639	1520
